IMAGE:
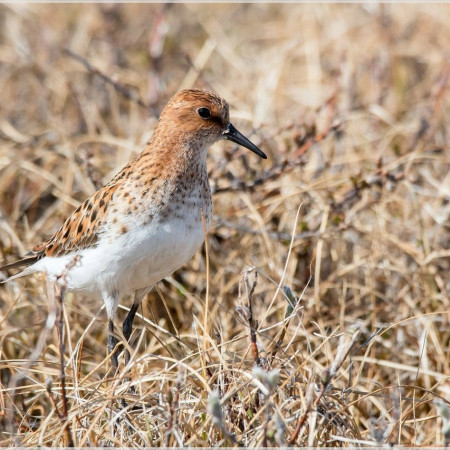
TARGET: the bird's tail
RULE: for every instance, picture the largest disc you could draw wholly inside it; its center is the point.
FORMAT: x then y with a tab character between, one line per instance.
27	261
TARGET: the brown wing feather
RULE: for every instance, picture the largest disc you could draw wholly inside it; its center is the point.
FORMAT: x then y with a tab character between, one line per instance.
79	231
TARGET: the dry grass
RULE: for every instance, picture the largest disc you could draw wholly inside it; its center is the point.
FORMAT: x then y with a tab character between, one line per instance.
350	213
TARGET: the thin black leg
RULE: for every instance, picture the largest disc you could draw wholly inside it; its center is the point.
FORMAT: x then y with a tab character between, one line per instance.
127	328
112	343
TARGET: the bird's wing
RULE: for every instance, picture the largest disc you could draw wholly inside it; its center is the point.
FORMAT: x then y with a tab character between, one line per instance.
79	231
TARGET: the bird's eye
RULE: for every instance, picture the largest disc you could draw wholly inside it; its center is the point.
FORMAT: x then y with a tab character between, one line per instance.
204	113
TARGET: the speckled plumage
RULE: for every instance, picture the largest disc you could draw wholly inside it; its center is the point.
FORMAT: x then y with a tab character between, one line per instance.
147	221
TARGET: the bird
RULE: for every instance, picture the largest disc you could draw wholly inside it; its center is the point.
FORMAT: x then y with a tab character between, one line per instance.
149	220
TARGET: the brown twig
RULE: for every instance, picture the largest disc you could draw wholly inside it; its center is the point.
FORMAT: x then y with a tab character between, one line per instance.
315	139
379	178
284	167
62	281
278	340
346	344
428	120
173	402
156	42
276	235
302	419
325	382
247	313
36	352
127	93
91	172
251	324
53	401
265	428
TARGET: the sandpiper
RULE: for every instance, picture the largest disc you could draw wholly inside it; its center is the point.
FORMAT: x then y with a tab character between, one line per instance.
148	220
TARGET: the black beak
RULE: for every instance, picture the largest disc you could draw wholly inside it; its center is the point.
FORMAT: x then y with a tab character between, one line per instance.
233	135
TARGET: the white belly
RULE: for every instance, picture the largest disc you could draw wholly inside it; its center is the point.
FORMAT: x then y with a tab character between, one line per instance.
132	261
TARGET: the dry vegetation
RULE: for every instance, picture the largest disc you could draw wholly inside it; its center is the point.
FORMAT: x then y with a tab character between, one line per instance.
346	225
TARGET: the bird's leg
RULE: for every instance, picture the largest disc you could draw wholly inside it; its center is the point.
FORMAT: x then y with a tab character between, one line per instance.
112	343
111	300
127	328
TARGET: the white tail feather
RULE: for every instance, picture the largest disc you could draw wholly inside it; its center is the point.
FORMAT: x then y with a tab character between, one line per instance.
24	273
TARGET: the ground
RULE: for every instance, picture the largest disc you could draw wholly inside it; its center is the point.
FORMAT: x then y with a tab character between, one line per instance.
318	314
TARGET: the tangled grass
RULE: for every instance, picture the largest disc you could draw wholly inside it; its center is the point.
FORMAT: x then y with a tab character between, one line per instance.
319	314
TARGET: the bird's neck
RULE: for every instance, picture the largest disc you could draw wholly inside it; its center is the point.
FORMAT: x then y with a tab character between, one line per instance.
176	153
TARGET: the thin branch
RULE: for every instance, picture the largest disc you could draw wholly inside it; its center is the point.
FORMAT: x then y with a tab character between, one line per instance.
62	281
125	92
173	407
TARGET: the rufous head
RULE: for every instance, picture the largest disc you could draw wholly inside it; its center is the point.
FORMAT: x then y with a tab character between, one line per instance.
204	117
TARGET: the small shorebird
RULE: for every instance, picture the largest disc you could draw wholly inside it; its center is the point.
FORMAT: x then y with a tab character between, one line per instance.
148	220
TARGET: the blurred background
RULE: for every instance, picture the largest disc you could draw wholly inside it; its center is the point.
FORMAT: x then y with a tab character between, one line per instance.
346	223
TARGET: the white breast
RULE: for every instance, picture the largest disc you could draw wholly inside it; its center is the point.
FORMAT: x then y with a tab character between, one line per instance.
135	260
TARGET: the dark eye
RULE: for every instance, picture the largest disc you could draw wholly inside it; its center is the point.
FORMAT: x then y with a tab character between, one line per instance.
204	113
